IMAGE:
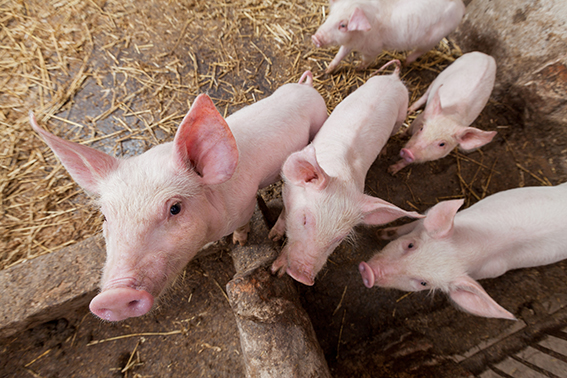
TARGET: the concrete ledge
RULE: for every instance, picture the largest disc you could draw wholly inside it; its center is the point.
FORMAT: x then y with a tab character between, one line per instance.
50	286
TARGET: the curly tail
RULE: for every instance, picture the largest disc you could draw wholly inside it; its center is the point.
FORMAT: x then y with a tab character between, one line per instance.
308	77
396	71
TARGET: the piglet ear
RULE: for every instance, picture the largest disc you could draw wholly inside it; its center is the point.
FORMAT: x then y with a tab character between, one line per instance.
87	166
204	141
433	107
471	297
301	168
439	219
471	138
376	211
358	21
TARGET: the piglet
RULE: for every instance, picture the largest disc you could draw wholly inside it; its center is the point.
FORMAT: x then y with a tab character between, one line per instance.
162	206
372	26
449	251
454	100
324	183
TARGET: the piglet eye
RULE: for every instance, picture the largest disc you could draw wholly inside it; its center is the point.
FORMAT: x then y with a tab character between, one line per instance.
410	245
175	209
423	283
342	26
442	144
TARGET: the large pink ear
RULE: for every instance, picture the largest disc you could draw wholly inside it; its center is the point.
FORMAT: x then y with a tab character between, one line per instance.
433	107
86	165
470	138
358	21
301	168
471	297
439	219
376	211
204	141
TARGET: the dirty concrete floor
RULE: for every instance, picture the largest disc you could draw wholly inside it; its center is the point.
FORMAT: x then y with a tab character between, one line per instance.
363	332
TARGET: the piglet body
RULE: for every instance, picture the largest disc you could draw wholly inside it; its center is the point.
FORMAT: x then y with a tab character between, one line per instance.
454	100
371	26
449	251
324	183
162	206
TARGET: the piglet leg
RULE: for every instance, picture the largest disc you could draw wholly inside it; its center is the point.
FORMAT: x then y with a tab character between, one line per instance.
343	52
395	168
277	232
240	235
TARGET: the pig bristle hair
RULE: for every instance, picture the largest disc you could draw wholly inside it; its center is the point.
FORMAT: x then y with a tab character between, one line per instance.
139	194
338	212
351	238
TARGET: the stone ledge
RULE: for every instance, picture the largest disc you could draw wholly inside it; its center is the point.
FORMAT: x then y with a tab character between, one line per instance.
50	286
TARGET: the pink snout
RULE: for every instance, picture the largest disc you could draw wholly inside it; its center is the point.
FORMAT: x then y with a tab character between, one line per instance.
367	274
407	155
121	303
316	40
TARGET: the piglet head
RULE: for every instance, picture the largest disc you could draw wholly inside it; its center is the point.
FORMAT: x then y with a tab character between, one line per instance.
341	26
413	262
154	206
321	212
426	259
437	132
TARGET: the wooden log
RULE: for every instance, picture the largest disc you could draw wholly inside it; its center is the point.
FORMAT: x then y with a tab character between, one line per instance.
276	334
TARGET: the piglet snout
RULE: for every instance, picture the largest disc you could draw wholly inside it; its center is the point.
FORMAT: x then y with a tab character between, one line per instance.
316	40
367	274
407	155
121	303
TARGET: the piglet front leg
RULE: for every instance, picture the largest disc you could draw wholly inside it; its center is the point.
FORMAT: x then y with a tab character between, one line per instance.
240	235
343	52
277	232
395	168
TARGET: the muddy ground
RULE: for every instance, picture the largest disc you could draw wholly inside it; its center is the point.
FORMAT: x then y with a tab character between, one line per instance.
363	332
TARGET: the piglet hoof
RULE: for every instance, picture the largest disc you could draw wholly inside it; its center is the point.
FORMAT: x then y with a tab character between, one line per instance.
331	68
278	267
240	235
239	239
275	235
395	168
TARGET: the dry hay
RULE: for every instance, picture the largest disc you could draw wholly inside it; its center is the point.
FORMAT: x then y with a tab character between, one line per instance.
119	76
